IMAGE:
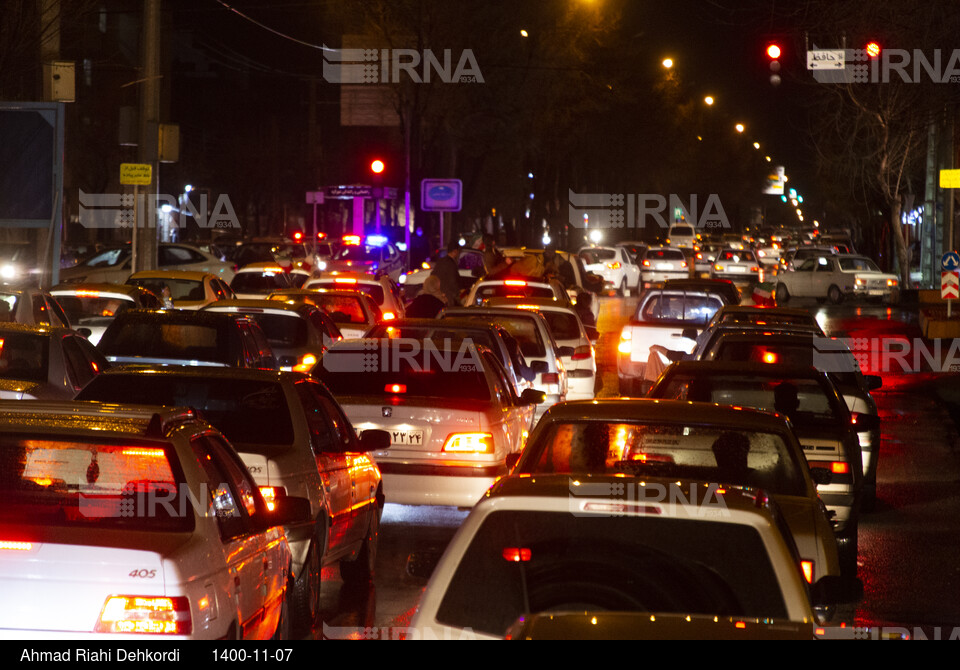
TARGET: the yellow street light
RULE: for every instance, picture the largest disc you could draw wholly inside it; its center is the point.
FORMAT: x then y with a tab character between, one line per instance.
709	100
740	127
667	63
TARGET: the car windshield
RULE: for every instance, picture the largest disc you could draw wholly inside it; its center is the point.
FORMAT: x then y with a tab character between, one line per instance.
362	253
738	456
858	265
375	291
582	561
513	289
523	328
260	282
108	259
67	482
245	411
692	309
24	356
180	289
340	309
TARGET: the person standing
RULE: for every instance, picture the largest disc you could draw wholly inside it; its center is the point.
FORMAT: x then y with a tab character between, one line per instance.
429	301
447	270
493	260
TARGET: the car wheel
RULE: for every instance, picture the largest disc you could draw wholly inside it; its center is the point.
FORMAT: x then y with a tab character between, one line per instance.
835	295
624	291
360	570
782	295
306	592
847	552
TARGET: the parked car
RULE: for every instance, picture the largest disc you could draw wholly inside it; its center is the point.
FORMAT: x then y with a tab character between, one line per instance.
142	523
176	337
113	265
295	441
837	278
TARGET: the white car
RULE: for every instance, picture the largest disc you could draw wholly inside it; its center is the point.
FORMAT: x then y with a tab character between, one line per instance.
113	265
614	264
91	307
516	287
682	236
578	279
382	289
576	350
256	281
738	265
837	278
558	543
140	523
353	312
662	263
187	290
452	415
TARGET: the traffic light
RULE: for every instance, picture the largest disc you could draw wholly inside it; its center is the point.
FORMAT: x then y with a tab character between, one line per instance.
872	49
773	54
377	166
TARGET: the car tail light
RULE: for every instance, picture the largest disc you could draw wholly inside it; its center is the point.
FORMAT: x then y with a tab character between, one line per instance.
582	353
145	614
807	568
626	343
469	443
550	378
754	269
769	357
646	264
306	363
515	282
15	545
516	554
344	280
395	388
718	268
613	266
840	467
891	282
271	493
683	264
388	316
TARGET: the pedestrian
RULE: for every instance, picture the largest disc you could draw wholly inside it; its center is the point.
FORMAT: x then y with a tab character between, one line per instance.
493	259
447	270
429	301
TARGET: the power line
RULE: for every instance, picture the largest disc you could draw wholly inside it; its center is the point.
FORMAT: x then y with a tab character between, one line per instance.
272	30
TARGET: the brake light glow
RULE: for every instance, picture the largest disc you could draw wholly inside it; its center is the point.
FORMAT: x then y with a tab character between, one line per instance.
769	357
306	363
388	316
352	240
469	443
270	495
145	614
395	388
514	282
143	453
516	554
626	344
344	280
840	467
87	294
646	263
614	266
12	545
807	568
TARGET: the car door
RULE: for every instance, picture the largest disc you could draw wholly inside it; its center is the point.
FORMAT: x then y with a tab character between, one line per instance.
514	421
823	276
327	439
800	282
245	552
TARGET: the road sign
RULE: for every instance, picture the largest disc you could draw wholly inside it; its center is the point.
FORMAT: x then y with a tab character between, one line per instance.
949	178
315	197
950	261
950	285
348	192
826	59
441	195
136	174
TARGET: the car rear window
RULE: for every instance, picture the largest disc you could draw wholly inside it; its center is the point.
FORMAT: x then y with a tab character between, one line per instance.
516	290
158	339
260	282
66	482
81	307
681	231
585	562
24	356
563	326
665	255
245	411
594	256
840	364
375	291
180	289
523	329
691	309
738	456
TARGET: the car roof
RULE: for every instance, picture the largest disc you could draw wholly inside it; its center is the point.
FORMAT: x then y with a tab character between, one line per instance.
156	371
12	327
90	418
551	304
272	306
667	411
181	315
192	275
720	368
102	288
260	266
760	311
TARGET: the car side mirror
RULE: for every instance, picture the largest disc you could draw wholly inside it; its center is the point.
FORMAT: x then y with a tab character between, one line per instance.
539	367
865	422
592	334
374	440
532	397
821	476
290	510
85	332
690	334
566	352
873	382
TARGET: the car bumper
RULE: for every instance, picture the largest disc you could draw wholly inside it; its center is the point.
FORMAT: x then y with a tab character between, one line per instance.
436	485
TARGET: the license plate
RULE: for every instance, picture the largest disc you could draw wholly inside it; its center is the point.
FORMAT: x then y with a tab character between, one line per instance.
664	266
737	270
406	438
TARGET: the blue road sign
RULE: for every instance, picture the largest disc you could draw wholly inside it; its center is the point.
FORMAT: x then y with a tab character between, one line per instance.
950	261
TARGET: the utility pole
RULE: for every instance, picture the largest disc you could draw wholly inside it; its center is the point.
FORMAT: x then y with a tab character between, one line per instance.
145	228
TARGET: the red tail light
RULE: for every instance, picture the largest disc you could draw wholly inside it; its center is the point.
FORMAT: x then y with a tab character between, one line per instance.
516	554
389	316
808	568
551	378
515	282
395	388
840	468
270	495
646	264
150	615
582	353
613	266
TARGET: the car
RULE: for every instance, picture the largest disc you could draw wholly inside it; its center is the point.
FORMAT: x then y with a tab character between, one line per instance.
794	257
374	255
487	334
805	348
682	236
614	264
746	315
635	250
381	288
678	440
557	544
288	254
45	362
298	332
353	312
31	307
838	278
737	265
451	411
703	258
177	337
576	349
142	522
722	287
18	265
576	278
662	263
113	265
469	266
295	441
91	307
183	289
817	414
516	287
258	280
537	345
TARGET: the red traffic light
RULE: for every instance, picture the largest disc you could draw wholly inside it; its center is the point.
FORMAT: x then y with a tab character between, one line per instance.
377	166
872	49
773	51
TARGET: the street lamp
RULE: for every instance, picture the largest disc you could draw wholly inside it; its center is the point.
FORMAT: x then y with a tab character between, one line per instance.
740	127
667	63
709	100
